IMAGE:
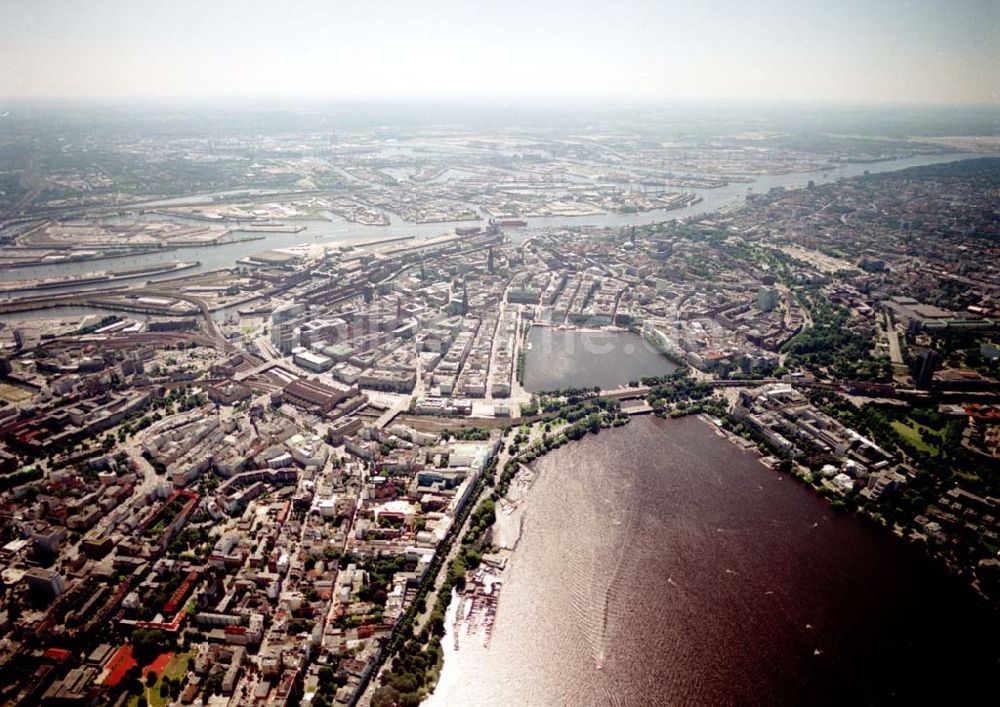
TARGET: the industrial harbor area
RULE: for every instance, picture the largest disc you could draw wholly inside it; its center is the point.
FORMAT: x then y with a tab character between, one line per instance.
316	409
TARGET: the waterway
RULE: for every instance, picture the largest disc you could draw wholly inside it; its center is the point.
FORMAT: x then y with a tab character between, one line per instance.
337	230
66	313
565	358
659	564
216	257
735	194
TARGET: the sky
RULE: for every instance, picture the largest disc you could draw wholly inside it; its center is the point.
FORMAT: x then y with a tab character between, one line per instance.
875	51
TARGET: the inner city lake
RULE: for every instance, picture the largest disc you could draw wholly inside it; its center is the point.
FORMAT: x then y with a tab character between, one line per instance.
556	359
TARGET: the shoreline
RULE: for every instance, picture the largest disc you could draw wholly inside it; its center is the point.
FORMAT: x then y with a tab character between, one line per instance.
106	277
864	513
473	658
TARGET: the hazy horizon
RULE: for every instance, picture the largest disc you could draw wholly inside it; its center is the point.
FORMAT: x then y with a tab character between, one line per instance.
920	52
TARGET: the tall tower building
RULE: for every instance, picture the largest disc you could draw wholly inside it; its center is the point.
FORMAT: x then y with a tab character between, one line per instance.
284	337
923	371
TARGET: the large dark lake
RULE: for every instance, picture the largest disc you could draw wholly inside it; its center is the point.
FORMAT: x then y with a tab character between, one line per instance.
659	564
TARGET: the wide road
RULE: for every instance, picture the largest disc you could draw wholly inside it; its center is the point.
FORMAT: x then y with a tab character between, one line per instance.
895	351
210	326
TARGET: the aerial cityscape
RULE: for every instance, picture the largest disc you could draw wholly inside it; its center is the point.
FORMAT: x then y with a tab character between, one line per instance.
391	399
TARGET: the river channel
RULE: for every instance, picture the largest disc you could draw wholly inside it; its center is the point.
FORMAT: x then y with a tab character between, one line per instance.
337	230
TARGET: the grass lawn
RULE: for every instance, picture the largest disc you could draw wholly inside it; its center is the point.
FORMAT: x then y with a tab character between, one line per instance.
917	435
175	668
14	393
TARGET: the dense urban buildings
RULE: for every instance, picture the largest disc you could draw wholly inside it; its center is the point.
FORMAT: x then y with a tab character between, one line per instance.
269	402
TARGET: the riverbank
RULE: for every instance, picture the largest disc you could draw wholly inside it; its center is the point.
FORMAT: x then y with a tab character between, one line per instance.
98	278
228	253
449	580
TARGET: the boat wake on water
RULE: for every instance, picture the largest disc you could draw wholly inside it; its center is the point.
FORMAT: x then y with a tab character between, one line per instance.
598	574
